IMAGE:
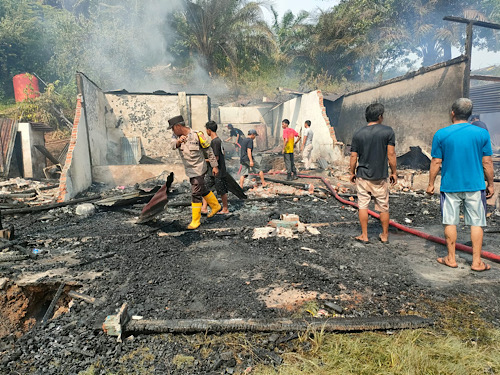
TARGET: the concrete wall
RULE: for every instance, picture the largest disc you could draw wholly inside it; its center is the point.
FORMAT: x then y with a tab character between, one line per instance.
116	175
416	105
256	117
311	107
112	129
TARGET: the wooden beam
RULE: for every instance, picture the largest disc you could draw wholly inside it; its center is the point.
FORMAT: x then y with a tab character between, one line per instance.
479	77
488	25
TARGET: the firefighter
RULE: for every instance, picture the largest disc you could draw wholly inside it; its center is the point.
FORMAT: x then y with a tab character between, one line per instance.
194	148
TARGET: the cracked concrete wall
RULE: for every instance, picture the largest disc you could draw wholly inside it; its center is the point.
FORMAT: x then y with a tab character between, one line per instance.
308	106
117	124
416	105
145	117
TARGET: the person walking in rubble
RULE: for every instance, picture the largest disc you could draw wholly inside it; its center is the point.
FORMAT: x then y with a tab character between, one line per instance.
289	136
307	145
192	148
463	153
372	147
212	181
235	132
247	162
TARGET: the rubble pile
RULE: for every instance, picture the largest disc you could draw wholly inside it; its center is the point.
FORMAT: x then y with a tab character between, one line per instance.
18	192
283	252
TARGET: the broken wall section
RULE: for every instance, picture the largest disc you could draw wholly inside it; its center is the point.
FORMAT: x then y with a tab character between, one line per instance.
304	107
117	128
76	175
256	117
416	105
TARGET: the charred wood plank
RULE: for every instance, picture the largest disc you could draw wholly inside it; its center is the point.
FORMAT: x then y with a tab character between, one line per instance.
50	310
83	297
276	325
30	210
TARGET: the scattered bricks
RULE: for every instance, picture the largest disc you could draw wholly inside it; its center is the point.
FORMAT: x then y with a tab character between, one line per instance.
301	228
3	282
264	232
283	224
289	217
286	232
313	230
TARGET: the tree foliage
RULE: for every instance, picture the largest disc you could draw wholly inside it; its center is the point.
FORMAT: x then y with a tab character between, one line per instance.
158	44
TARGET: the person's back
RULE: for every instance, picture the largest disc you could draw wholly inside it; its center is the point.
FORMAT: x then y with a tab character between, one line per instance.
461	147
218	150
246	143
370	143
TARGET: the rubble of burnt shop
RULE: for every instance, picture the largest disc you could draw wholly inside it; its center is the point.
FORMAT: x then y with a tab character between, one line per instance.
86	288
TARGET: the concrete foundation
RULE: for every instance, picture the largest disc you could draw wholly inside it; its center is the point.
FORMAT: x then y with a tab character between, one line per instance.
118	175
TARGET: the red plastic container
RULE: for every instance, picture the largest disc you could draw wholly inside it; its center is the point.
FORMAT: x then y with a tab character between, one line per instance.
25	86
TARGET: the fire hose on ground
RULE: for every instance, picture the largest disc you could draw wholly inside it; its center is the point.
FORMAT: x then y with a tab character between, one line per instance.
429	237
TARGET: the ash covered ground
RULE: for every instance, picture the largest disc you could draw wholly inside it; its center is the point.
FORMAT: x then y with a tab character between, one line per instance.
163	272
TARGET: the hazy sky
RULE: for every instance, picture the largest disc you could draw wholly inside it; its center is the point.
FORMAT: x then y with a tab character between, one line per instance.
480	59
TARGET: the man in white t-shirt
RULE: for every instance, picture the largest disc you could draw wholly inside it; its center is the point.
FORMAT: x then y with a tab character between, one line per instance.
307	145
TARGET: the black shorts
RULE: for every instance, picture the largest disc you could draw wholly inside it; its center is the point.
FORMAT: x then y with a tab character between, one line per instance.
217	182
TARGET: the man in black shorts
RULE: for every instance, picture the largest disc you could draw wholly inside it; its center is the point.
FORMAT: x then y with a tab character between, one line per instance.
218	181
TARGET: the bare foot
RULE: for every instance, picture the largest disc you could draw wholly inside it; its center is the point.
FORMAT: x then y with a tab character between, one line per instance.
223	212
204	212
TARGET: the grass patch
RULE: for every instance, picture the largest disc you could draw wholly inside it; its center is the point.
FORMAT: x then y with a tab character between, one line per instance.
460	343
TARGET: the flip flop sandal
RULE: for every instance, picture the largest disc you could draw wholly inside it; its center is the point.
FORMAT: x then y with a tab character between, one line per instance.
360	240
384	242
443	261
486	268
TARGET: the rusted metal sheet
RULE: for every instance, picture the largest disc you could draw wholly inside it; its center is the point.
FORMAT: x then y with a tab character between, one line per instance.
8	131
158	203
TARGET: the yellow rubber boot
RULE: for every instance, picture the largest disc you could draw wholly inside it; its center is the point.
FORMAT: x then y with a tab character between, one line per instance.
213	203
196	212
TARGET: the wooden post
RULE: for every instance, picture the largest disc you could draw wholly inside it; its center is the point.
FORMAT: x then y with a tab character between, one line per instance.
468	54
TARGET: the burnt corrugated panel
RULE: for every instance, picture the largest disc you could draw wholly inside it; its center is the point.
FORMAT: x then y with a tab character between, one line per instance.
8	130
486	98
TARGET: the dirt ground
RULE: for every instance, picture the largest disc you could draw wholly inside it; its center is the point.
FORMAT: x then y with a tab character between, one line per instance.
163	272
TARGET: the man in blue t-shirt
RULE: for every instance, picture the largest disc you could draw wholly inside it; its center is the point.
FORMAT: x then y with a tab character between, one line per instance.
463	153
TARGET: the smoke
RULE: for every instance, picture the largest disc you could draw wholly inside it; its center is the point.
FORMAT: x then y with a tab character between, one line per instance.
129	49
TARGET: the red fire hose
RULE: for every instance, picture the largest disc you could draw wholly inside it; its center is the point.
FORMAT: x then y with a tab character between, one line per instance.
442	241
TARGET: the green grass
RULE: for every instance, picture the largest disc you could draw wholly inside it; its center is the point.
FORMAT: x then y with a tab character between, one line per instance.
461	342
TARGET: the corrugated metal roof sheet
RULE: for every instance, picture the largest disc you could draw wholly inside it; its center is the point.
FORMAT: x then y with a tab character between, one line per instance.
8	131
486	98
38	126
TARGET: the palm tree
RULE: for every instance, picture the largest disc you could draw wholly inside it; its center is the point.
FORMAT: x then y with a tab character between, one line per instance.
292	35
223	32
